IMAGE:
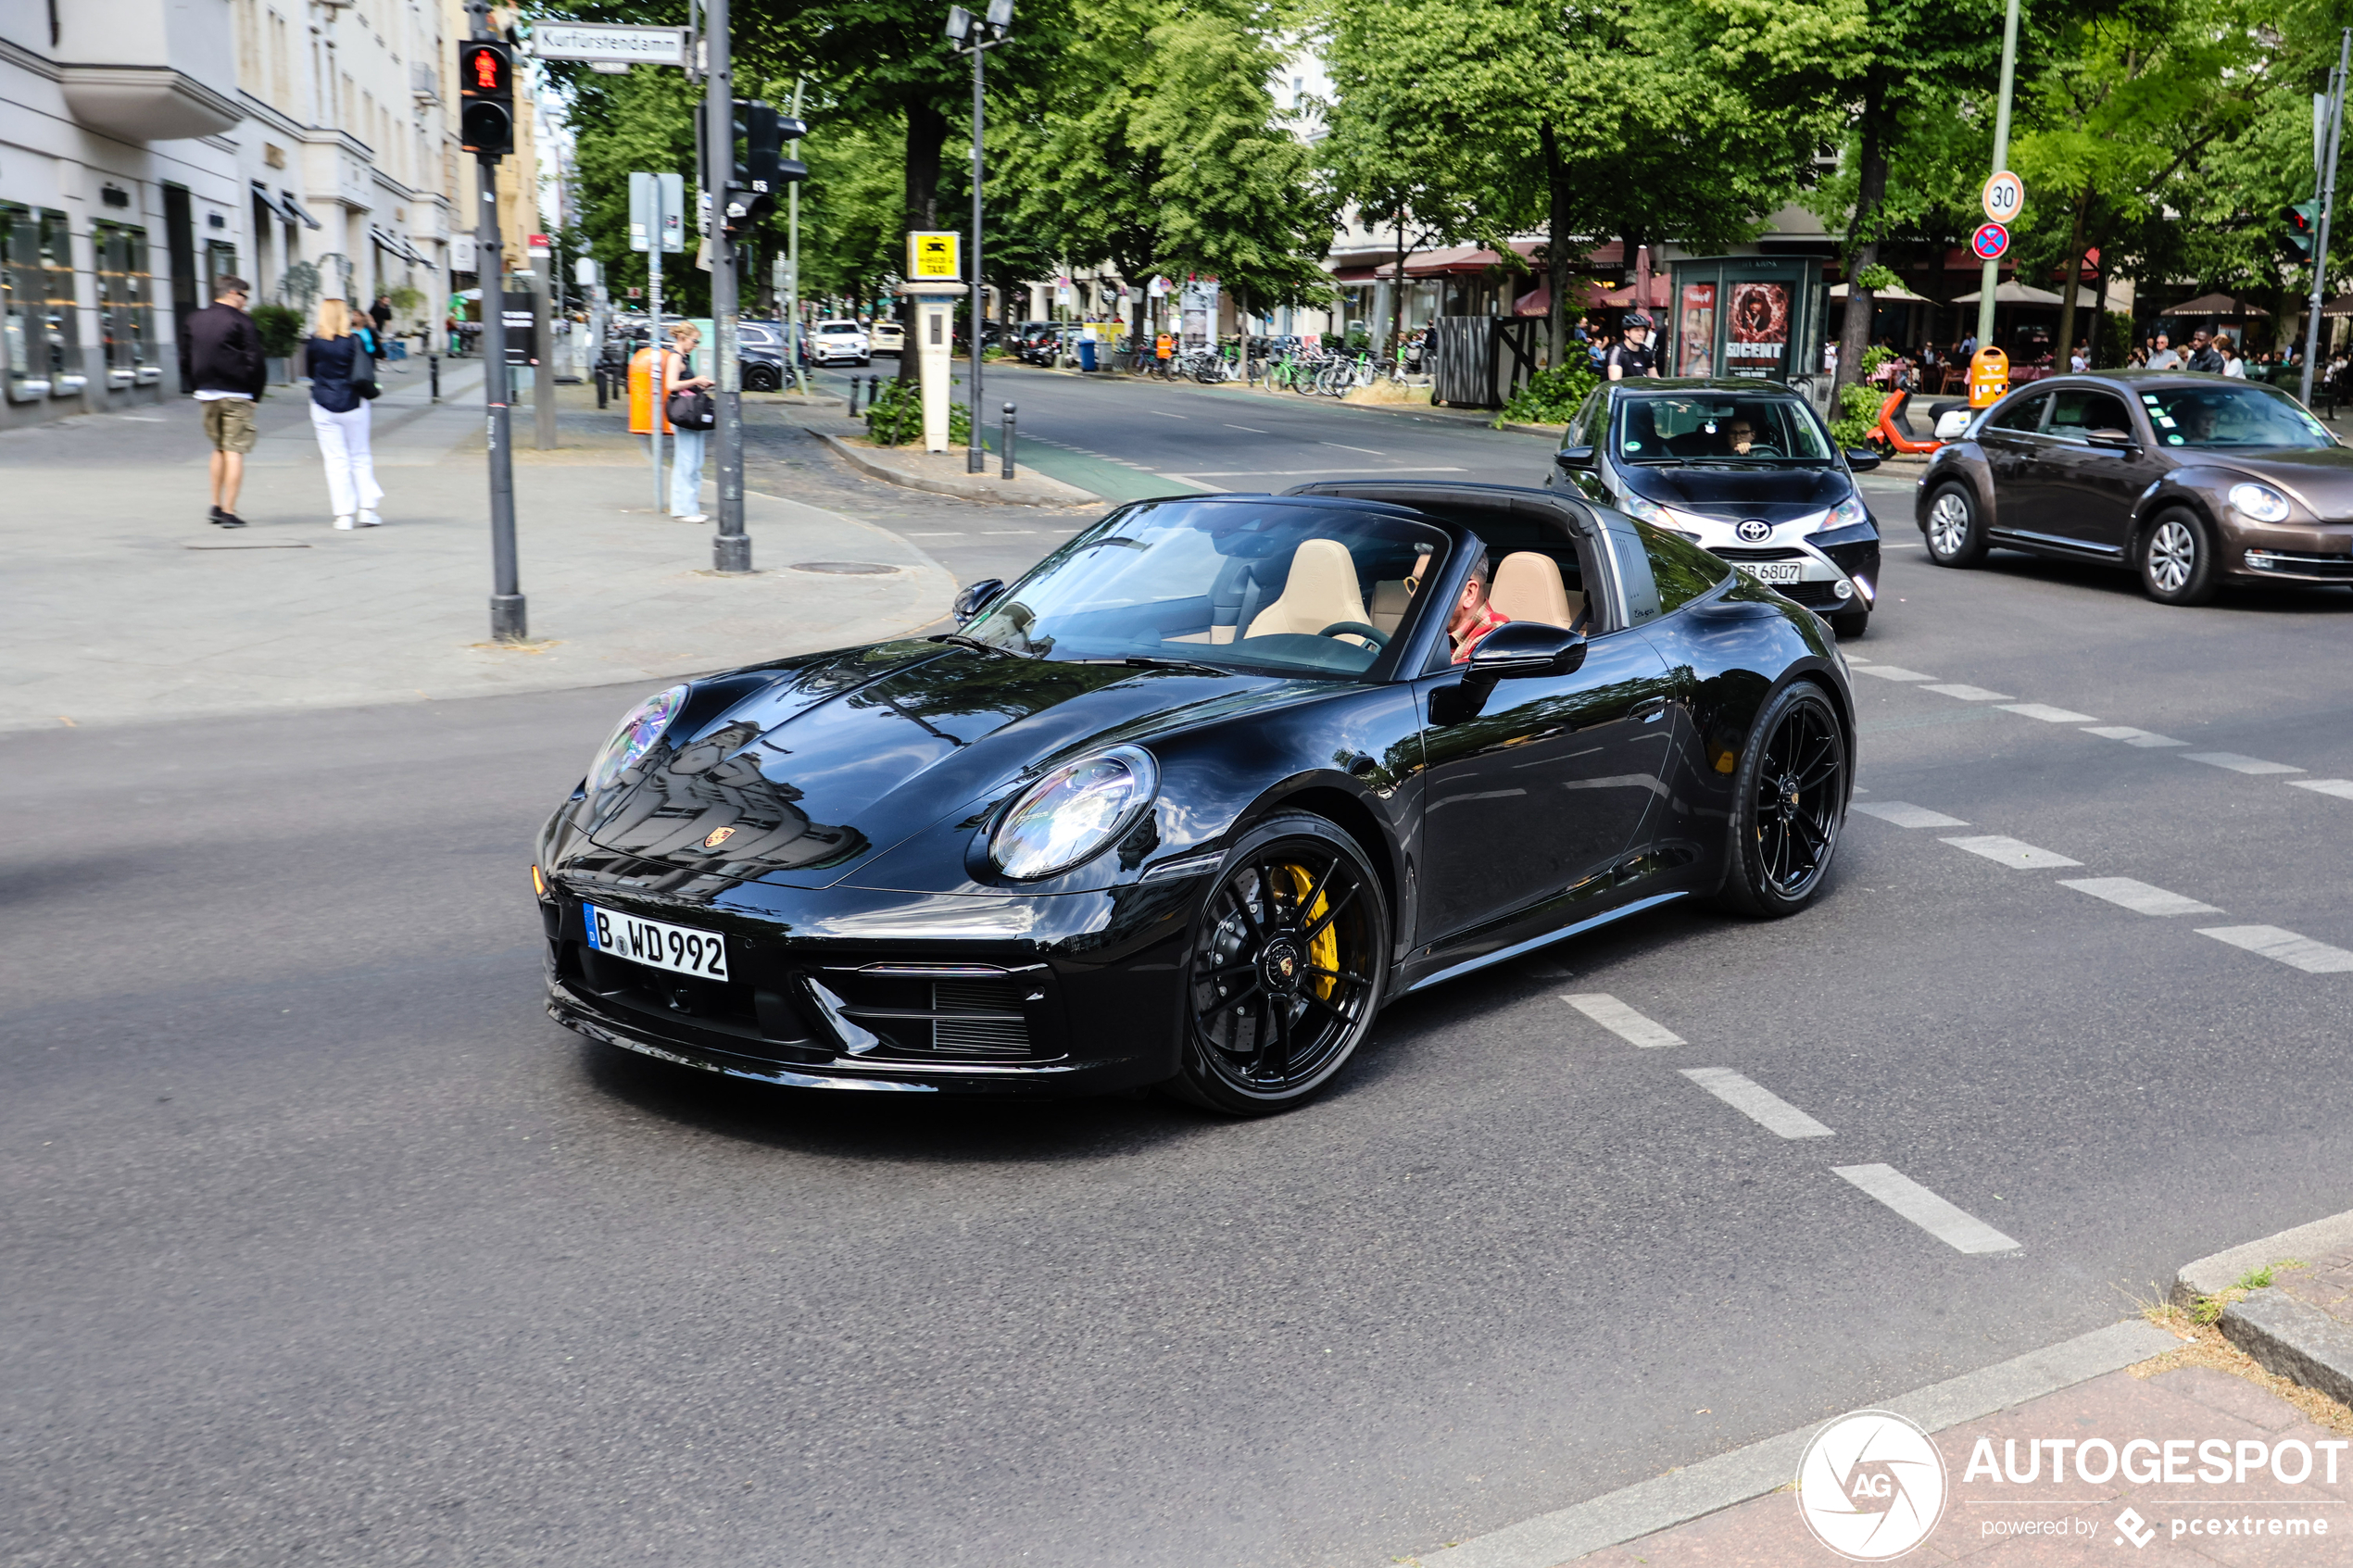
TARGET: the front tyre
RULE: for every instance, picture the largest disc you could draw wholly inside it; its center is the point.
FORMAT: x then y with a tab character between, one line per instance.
1956	533
2176	559
1289	951
1789	803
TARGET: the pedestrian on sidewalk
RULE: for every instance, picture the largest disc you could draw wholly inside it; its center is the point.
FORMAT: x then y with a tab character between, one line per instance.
226	367
342	380
677	375
380	314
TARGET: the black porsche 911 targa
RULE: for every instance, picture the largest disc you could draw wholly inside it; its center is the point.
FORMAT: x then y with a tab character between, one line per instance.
1188	803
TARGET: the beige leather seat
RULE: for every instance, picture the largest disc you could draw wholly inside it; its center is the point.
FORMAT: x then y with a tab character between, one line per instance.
1529	587
1320	590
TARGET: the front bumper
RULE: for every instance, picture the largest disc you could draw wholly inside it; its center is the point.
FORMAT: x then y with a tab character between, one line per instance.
1065	994
1837	573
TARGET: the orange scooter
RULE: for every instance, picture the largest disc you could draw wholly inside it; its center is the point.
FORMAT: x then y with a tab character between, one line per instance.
1890	432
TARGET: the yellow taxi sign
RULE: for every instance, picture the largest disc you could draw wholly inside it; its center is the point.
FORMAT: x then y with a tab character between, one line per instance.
934	255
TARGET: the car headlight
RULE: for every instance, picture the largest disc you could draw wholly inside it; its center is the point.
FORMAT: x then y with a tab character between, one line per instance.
1846	514
637	734
2259	502
1074	812
1633	506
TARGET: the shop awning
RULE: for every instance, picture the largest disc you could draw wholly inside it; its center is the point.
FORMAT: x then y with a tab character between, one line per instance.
1898	295
2341	305
295	209
2016	292
271	204
2214	304
1450	263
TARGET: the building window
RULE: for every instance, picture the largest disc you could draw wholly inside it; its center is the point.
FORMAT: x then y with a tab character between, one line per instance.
126	308
43	349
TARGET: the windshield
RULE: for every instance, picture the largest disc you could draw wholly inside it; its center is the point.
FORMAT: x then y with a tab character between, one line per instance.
1281	587
837	329
2232	416
1718	429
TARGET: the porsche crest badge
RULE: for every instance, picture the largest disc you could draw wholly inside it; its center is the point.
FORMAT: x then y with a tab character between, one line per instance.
717	836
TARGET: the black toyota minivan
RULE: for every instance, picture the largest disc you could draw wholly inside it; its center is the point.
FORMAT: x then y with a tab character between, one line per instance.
1744	469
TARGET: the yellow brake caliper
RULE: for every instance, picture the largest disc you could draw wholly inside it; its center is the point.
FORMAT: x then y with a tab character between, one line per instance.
1323	952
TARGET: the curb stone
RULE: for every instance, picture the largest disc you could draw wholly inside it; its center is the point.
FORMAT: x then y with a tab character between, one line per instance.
1036	491
2290	1337
1713	1485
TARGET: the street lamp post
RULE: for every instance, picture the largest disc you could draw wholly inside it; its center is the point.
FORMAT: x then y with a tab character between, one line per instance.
971	35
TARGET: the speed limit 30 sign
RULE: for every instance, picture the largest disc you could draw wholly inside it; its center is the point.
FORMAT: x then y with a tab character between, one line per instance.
2004	197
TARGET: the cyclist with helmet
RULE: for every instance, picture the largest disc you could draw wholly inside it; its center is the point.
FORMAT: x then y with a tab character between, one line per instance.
1634	356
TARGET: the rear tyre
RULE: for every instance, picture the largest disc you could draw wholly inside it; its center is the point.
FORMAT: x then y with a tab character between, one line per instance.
1789	803
1850	624
2176	559
1956	533
1288	955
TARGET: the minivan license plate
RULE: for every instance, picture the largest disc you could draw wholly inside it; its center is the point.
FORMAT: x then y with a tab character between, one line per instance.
1774	570
678	948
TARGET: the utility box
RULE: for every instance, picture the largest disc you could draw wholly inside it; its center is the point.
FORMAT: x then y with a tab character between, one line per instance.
1744	316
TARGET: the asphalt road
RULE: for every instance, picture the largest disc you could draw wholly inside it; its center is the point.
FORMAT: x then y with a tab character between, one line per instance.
324	1245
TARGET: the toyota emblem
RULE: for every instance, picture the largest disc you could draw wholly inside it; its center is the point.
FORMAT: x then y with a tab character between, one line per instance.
1755	531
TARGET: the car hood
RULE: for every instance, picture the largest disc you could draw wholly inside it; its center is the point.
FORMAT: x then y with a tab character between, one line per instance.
2322	478
819	770
1776	495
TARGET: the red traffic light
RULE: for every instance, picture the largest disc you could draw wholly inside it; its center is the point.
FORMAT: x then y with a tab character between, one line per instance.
485	69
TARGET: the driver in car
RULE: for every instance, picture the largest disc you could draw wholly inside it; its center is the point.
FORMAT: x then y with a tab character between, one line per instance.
1474	617
1740	435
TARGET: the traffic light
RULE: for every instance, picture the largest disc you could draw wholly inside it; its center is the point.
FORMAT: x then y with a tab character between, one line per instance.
486	96
757	169
2302	219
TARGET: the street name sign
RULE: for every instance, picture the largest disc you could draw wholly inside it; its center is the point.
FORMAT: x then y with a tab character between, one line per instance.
1990	241
2004	197
609	43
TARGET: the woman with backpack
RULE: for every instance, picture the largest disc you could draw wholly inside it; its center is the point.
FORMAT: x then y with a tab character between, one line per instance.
343	381
687	415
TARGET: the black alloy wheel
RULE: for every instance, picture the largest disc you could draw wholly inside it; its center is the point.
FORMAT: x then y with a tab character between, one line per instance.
1290	951
1955	536
2175	557
1789	801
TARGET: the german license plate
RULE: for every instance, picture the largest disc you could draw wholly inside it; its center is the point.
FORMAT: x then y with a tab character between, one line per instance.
1776	572
678	948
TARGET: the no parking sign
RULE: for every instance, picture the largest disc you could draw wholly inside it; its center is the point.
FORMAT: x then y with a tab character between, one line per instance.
1990	242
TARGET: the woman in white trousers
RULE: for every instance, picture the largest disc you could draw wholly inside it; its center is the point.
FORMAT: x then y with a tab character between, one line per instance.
338	365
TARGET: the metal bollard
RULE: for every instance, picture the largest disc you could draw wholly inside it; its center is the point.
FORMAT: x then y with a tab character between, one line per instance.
853	397
432	364
1007	443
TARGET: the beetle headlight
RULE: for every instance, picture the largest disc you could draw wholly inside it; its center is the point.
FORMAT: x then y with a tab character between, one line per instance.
2259	503
637	734
1074	812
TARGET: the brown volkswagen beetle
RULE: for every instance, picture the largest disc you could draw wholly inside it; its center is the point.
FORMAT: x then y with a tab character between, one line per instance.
2190	480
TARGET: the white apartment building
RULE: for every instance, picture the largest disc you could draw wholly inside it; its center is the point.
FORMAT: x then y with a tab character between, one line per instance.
149	146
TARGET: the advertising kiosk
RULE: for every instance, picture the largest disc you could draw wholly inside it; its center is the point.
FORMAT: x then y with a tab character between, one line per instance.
1744	316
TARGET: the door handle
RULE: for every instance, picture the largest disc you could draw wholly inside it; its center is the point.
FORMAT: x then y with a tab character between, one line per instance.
1650	708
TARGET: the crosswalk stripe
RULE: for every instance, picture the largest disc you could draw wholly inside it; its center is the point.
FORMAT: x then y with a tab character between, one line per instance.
1757	1102
2297	952
1623	1021
2139	896
2010	852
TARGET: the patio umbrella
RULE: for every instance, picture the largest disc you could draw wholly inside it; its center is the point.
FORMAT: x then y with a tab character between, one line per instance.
2214	304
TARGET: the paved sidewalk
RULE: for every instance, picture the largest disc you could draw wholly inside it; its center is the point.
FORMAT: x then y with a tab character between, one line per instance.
121	603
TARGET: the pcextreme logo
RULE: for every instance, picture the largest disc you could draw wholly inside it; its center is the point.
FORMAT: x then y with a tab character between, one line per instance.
1872	1485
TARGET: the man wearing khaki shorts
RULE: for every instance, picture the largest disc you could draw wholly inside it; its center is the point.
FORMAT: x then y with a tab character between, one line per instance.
225	366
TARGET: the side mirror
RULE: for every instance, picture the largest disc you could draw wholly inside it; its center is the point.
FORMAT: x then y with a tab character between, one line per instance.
978	598
1525	648
1862	460
1574	457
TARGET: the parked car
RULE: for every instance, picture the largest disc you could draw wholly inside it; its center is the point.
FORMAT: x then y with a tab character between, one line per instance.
1166	810
1743	469
887	336
2188	480
840	342
760	348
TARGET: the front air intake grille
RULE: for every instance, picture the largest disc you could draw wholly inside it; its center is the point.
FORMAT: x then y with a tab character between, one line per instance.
979	1018
975	1012
1813	595
1730	552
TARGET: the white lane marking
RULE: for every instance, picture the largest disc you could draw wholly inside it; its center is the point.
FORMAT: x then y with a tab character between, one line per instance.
1191	479
1623	1021
1253	429
1969	693
2010	852
2297	952
1166	414
2341	788
1955	1227
926	536
2236	763
2048	714
1757	1103
1904	814
1344	447
1856	658
2132	736
1892	673
2139	896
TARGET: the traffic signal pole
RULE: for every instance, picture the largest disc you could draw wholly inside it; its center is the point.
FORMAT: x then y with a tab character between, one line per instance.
508	622
732	550
2328	201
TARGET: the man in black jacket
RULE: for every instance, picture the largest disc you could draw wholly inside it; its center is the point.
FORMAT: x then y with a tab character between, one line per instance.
225	365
